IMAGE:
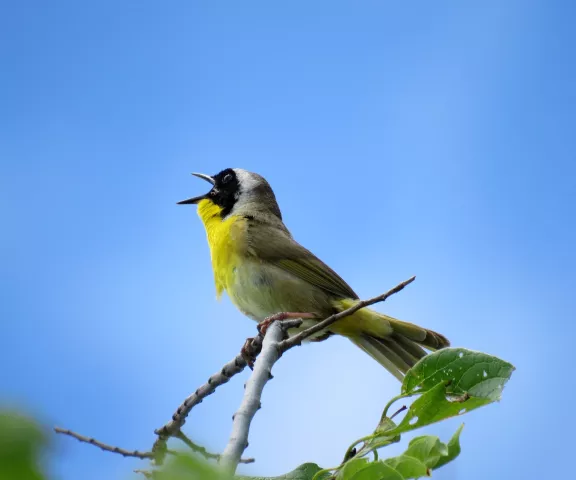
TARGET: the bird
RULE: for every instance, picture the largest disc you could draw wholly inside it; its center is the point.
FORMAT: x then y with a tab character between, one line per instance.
267	273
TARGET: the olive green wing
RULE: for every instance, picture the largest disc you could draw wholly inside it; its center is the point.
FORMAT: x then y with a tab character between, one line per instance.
277	247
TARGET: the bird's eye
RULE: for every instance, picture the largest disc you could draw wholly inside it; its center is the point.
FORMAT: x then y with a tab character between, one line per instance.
227	178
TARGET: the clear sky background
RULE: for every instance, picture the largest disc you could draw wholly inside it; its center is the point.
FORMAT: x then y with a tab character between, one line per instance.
434	139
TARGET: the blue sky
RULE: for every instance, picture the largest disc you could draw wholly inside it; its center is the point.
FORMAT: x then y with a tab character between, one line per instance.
433	139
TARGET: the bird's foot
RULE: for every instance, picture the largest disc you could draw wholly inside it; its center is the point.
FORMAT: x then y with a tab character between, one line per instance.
248	353
264	324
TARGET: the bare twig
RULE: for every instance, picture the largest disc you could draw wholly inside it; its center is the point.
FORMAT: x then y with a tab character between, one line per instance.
202	451
298	338
251	400
104	446
143	455
172	428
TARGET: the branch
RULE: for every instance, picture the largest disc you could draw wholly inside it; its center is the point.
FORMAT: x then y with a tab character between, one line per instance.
172	428
104	446
144	455
251	400
272	348
298	338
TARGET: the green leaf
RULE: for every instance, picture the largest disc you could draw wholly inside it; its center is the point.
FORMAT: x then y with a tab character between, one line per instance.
434	406
21	445
351	467
188	467
452	381
306	471
376	471
469	372
428	449
425	453
407	466
453	448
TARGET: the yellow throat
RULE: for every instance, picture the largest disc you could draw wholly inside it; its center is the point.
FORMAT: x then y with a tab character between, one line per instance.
225	241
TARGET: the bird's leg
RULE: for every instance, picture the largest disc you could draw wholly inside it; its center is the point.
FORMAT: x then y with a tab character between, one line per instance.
264	324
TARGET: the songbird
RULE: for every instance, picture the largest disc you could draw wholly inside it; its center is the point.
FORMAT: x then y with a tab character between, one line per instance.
265	271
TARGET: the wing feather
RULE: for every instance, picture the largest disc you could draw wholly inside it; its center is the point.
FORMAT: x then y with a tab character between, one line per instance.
276	246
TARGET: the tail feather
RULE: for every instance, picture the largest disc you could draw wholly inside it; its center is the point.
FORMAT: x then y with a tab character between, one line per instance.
395	344
399	351
407	354
413	348
427	338
376	352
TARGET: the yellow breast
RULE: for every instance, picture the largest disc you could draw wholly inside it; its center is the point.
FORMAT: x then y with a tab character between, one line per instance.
226	240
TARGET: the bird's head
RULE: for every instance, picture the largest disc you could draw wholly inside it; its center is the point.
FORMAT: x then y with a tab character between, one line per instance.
238	192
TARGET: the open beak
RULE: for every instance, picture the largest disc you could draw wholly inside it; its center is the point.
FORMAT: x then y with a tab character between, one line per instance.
194	200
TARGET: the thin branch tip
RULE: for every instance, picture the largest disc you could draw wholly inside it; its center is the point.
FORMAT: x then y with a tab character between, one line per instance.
104	446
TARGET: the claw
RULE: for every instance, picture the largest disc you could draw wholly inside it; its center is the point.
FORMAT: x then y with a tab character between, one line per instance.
264	324
248	354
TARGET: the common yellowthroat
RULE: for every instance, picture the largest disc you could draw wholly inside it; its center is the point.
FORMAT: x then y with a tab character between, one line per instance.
265	271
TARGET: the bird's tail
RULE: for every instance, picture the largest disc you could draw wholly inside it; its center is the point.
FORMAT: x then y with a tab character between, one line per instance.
395	344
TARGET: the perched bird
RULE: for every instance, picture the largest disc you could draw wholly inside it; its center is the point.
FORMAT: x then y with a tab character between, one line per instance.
265	271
